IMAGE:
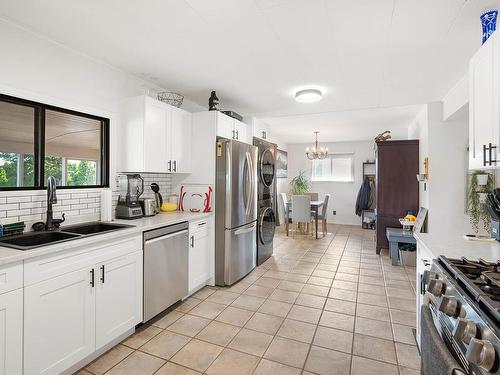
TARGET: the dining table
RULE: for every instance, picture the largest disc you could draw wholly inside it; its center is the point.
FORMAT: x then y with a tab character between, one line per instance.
315	206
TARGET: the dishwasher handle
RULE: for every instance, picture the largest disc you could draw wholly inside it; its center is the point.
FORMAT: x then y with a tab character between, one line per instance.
161	238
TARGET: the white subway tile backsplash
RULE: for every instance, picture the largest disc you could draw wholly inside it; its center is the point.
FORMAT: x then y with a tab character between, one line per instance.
19	199
13	213
30	205
78	195
79	205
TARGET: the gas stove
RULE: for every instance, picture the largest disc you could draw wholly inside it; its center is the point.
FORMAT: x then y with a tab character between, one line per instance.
464	297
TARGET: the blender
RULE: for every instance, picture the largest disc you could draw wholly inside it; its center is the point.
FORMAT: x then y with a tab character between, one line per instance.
131	187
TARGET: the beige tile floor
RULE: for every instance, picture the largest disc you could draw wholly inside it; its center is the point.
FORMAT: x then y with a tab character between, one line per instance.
327	306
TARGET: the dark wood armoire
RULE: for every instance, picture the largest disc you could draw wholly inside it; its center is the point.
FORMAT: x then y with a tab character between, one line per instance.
397	185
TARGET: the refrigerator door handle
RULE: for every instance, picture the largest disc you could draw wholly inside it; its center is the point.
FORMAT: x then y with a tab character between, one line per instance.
249	201
245	229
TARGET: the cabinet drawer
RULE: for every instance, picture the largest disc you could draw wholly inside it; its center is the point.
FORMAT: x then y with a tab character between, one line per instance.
199	225
11	277
47	267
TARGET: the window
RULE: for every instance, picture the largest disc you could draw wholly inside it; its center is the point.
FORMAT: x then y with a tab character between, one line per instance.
336	167
37	141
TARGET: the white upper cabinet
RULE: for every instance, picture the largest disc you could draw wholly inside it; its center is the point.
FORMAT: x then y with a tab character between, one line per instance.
231	128
484	105
155	137
179	138
260	129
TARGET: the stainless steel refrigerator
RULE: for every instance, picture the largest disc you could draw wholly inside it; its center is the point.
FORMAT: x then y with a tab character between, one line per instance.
235	210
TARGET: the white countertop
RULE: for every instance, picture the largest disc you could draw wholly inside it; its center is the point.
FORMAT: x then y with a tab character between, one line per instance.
8	255
454	245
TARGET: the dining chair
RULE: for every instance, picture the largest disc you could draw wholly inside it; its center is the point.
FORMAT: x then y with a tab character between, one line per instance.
313	196
301	213
323	214
286	211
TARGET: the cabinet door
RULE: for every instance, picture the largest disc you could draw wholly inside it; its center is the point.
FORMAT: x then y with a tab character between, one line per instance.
482	126
155	136
240	130
181	141
199	259
225	126
11	332
118	296
59	323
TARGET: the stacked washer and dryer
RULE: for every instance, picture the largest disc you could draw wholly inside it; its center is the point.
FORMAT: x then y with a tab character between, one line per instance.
266	198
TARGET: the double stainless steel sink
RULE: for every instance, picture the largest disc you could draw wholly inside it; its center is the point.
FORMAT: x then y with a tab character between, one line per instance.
31	240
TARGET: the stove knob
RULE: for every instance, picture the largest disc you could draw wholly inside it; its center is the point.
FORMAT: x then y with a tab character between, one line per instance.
429	275
482	353
465	330
451	307
436	287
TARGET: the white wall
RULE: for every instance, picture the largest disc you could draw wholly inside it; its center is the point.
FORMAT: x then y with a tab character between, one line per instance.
445	144
344	194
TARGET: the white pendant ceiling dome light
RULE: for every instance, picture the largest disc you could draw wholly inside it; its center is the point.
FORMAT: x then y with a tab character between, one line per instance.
308	95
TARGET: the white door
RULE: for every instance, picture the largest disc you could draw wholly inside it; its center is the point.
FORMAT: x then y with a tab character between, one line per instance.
199	259
181	141
118	296
11	333
155	135
59	322
225	126
240	130
482	127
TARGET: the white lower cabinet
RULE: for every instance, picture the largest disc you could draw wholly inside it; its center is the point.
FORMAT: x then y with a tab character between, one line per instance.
11	333
199	254
70	316
118	297
59	323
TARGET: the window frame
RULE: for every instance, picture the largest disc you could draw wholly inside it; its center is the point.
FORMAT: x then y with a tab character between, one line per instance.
39	144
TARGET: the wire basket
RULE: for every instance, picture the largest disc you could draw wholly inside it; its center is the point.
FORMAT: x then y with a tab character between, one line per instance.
171	98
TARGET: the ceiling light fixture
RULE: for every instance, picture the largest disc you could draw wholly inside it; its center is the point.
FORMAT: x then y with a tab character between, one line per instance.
316	153
308	96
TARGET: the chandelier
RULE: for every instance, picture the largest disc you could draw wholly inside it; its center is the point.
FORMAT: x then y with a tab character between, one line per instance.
316	153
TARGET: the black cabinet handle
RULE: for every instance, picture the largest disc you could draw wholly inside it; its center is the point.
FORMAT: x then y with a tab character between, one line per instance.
92	280
102	273
192	241
170	165
175	165
484	155
491	160
233	135
237	135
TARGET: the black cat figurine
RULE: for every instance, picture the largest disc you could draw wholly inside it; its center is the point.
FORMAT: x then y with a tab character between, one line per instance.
213	102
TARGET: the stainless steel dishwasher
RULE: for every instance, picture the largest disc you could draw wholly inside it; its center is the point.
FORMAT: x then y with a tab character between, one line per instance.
166	256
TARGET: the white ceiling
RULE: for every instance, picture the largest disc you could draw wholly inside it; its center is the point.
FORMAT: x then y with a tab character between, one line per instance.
257	53
342	126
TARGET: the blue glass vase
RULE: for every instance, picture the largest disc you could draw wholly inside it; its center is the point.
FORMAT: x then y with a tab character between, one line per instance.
489	23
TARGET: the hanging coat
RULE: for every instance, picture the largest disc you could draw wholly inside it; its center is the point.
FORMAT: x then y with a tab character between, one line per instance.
363	199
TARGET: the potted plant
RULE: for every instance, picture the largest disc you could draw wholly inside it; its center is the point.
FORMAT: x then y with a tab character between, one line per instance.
476	197
300	184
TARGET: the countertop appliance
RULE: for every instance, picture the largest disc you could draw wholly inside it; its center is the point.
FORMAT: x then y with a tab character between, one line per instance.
166	255
235	210
148	206
131	187
464	299
158	198
266	198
